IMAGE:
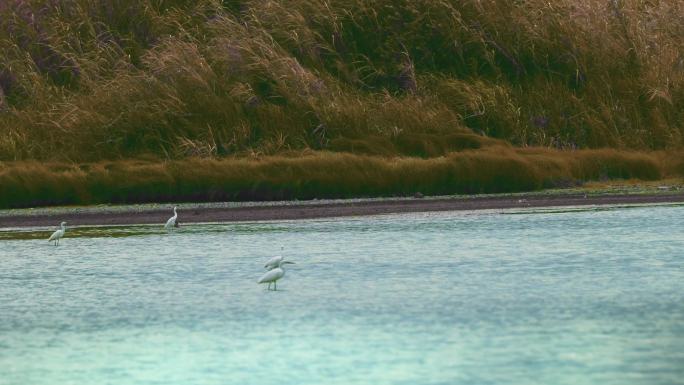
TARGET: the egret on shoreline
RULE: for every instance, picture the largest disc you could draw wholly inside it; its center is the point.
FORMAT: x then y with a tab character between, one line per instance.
57	235
172	221
272	276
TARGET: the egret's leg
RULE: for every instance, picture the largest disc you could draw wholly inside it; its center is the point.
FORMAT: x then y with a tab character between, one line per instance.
269	286
275	285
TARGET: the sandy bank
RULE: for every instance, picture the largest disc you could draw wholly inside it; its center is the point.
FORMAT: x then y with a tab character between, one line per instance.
236	212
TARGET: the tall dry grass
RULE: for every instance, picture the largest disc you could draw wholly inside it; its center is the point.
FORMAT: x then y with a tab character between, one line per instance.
87	81
318	175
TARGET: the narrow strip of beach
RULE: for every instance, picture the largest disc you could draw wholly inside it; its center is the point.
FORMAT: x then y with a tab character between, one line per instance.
294	210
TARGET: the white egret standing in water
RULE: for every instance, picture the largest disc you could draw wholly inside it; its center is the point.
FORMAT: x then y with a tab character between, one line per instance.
273	262
274	275
172	221
58	234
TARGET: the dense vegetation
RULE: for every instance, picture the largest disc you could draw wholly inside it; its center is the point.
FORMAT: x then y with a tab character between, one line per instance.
316	175
164	80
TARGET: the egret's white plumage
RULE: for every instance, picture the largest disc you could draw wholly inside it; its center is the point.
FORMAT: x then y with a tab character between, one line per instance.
273	262
172	221
57	235
272	276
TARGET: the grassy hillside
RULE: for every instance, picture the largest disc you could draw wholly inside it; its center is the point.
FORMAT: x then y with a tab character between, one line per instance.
90	80
86	81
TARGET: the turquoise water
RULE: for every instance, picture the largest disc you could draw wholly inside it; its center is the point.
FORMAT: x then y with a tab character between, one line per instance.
524	297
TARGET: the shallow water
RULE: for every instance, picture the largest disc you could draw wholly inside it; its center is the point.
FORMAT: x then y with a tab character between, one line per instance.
519	297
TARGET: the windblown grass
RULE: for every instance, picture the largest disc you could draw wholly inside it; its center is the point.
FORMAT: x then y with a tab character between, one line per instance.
315	175
142	100
89	81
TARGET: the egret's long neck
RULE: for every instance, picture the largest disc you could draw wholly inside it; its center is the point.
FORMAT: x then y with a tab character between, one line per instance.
175	214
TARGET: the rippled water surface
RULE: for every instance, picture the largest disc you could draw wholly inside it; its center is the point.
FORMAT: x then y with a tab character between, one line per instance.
536	297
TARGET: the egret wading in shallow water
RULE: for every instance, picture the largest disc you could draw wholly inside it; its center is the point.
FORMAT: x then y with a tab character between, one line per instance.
273	262
172	221
57	235
272	276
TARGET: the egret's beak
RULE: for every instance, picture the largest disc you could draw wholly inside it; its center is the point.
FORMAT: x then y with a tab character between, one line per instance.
292	263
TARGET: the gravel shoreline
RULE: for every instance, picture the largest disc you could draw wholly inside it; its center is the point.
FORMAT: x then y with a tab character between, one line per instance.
261	211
